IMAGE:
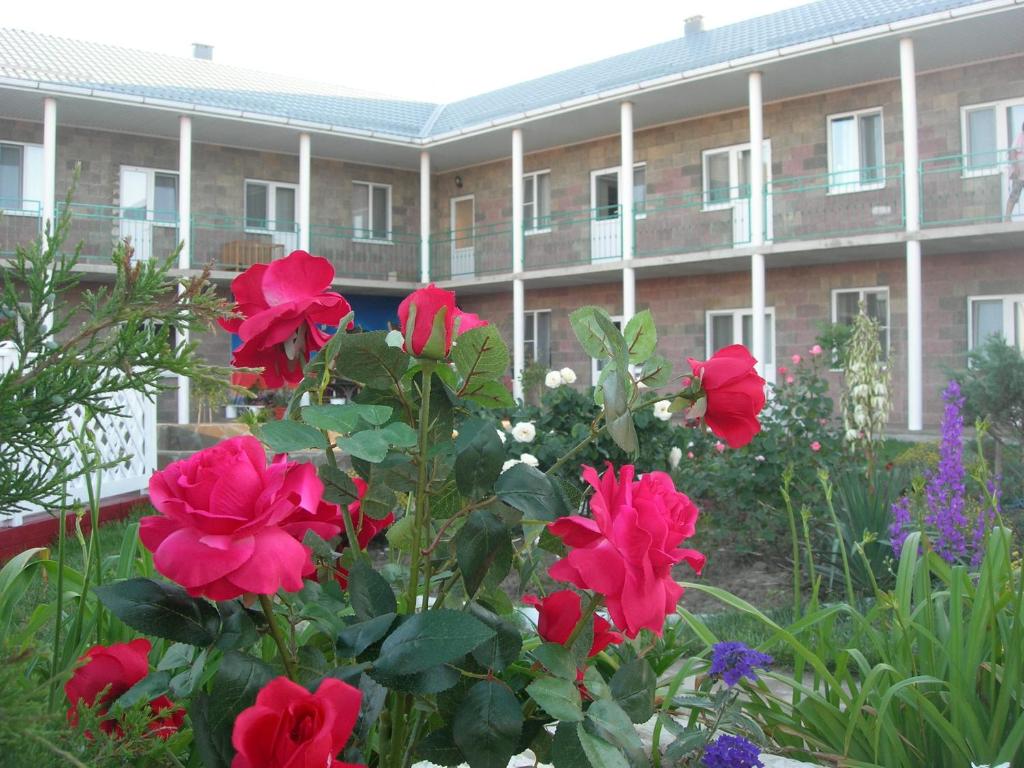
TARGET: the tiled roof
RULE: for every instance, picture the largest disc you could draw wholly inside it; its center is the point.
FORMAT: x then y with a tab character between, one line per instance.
46	59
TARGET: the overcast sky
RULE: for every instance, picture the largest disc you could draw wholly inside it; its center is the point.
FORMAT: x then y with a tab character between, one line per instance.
435	51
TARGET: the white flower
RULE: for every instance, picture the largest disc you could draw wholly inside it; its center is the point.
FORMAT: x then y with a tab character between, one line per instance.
881	389
661	410
674	457
501	436
524	432
759	457
568	376
852	435
529	459
509	464
861	390
553	380
878	403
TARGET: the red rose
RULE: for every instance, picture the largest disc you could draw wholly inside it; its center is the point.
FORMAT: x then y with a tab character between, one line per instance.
282	304
734	394
366	528
627	549
289	727
560	612
429	318
233	525
111	670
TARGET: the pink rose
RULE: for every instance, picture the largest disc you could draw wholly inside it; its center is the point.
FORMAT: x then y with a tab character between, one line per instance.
734	394
689	454
783	370
796	359
559	613
815	350
719	446
429	319
283	304
815	446
790	379
626	551
232	525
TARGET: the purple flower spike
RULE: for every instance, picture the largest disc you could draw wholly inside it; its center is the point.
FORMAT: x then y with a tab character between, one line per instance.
732	661
732	752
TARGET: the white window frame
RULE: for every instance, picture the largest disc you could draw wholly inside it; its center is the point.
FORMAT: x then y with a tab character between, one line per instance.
861	293
737	316
1003	140
530	317
272	187
735	152
1009	301
25	182
618	169
371	185
852	187
595	372
530	179
150	174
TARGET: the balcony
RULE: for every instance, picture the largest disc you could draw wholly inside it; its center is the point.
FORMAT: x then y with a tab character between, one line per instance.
98	228
693	221
959	190
19	224
362	254
234	243
483	249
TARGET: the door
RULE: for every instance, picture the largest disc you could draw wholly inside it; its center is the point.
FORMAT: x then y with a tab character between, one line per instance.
463	233
605	222
1014	129
149	199
284	231
741	231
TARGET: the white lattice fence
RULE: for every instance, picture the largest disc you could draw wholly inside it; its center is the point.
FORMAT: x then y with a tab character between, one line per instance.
132	434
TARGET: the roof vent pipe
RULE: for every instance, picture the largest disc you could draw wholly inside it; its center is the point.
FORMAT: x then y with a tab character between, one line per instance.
205	52
693	25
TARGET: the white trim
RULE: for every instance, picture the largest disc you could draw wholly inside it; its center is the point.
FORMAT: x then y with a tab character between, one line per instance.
735	153
1003	138
530	179
1009	301
861	293
737	315
852	187
23	145
371	185
272	187
151	174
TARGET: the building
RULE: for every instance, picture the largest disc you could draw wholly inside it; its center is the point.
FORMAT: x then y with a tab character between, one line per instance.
779	171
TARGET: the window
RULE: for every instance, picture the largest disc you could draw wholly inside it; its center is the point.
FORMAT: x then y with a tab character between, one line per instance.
989	316
270	206
736	326
727	174
856	151
148	194
846	306
371	210
21	178
596	366
536	201
537	337
988	131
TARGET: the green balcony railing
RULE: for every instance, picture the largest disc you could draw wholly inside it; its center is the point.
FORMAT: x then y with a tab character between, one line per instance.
692	221
485	249
20	223
360	254
98	228
837	204
968	189
567	238
234	243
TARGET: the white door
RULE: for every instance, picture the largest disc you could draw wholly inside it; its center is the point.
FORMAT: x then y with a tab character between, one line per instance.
284	231
736	326
463	225
149	199
1014	127
605	222
740	172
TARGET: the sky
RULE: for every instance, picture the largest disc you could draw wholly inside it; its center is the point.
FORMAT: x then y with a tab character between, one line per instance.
433	51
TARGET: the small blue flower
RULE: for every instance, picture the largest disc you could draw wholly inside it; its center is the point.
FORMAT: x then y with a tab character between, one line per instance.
733	661
732	752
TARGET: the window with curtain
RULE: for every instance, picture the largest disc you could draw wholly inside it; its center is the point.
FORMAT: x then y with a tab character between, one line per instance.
982	142
21	177
856	151
271	205
371	210
537	337
537	201
1001	316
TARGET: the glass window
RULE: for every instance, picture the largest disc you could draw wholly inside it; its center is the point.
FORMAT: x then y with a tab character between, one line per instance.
536	201
986	320
846	307
871	143
716	177
721	331
736	326
165	197
256	205
379	224
284	210
982	143
640	189
10	176
134	194
371	210
537	337
856	151
360	208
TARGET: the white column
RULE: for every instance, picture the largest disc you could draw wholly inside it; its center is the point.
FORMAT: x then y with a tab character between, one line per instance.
626	201
49	201
518	289
424	217
304	193
185	234
912	212
757	266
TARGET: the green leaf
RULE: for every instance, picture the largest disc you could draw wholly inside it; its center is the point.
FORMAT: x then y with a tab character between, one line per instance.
356	638
487	725
346	417
425	640
488	393
401	535
632	688
559	698
367	359
439	748
591	334
599	752
429	681
608	720
370	593
479	543
184	683
148	688
566	750
177	655
237	681
501	650
479	355
532	492
161	610
557	660
400	434
237	625
339	488
617	413
370	445
379	500
478	457
656	372
641	337
596	685
290	436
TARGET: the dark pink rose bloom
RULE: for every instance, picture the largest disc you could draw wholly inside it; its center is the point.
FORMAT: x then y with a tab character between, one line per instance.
735	394
230	524
626	551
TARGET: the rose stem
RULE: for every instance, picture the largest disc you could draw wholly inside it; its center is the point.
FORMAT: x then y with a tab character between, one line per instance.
275	632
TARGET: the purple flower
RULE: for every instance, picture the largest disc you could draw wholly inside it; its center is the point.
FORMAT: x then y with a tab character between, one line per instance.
902	519
732	752
733	661
946	486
